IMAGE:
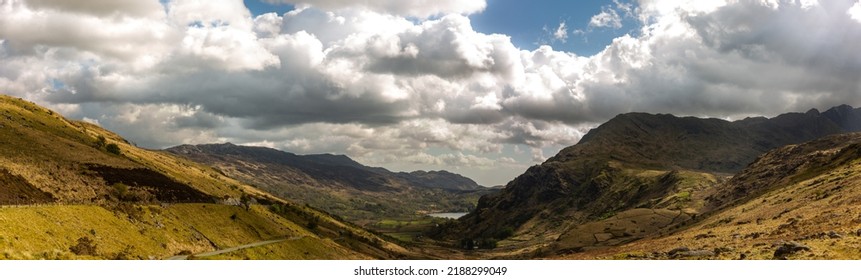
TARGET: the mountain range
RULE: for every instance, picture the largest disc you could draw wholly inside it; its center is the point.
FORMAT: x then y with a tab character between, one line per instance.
338	184
640	186
666	171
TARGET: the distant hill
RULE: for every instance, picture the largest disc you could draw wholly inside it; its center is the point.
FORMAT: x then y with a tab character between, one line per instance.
440	179
338	184
640	161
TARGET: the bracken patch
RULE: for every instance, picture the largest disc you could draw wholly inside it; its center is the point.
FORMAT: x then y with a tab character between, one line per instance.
163	188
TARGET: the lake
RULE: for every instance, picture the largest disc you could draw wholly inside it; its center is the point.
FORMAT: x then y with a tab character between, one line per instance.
452	215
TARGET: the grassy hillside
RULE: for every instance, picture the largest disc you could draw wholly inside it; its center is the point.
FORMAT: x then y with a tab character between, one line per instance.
74	190
548	209
796	202
155	232
637	161
59	157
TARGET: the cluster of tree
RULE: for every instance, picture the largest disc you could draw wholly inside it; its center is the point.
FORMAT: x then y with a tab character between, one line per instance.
482	243
113	148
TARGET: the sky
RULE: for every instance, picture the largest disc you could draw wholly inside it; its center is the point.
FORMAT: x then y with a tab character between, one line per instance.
485	88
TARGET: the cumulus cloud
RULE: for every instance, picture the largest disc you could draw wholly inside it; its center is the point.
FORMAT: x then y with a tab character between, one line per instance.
421	9
134	8
31	27
719	51
855	11
363	79
538	155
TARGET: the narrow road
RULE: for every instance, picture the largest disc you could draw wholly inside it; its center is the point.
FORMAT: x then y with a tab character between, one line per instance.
228	250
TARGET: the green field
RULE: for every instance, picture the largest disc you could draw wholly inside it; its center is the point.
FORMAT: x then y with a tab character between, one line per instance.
407	230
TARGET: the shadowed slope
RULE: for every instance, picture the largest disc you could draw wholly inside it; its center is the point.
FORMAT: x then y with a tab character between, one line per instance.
639	160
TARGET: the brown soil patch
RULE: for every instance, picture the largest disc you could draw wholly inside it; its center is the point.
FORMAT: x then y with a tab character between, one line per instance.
163	188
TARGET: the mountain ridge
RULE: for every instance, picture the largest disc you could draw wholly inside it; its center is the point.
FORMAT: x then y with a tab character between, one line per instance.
639	160
753	135
339	184
798	201
325	160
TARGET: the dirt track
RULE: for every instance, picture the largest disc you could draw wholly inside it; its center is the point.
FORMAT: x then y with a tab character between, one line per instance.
228	250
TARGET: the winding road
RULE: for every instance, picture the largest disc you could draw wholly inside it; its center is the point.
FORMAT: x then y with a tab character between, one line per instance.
228	250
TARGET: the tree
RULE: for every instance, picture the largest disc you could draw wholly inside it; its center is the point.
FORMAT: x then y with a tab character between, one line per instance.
114	149
467	244
504	233
487	243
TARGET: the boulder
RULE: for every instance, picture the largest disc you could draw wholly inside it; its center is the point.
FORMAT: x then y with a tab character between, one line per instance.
789	248
601	237
678	250
695	253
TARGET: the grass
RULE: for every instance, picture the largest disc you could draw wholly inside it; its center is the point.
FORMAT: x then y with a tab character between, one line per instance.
405	230
392	223
153	232
54	155
201	177
51	152
803	211
53	229
306	248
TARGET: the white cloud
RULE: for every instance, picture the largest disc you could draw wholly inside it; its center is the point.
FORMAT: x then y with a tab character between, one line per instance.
224	47
806	4
538	155
627	9
267	25
209	13
92	121
385	89
855	11
421	9
561	32
86	29
607	18
460	159
264	143
136	8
